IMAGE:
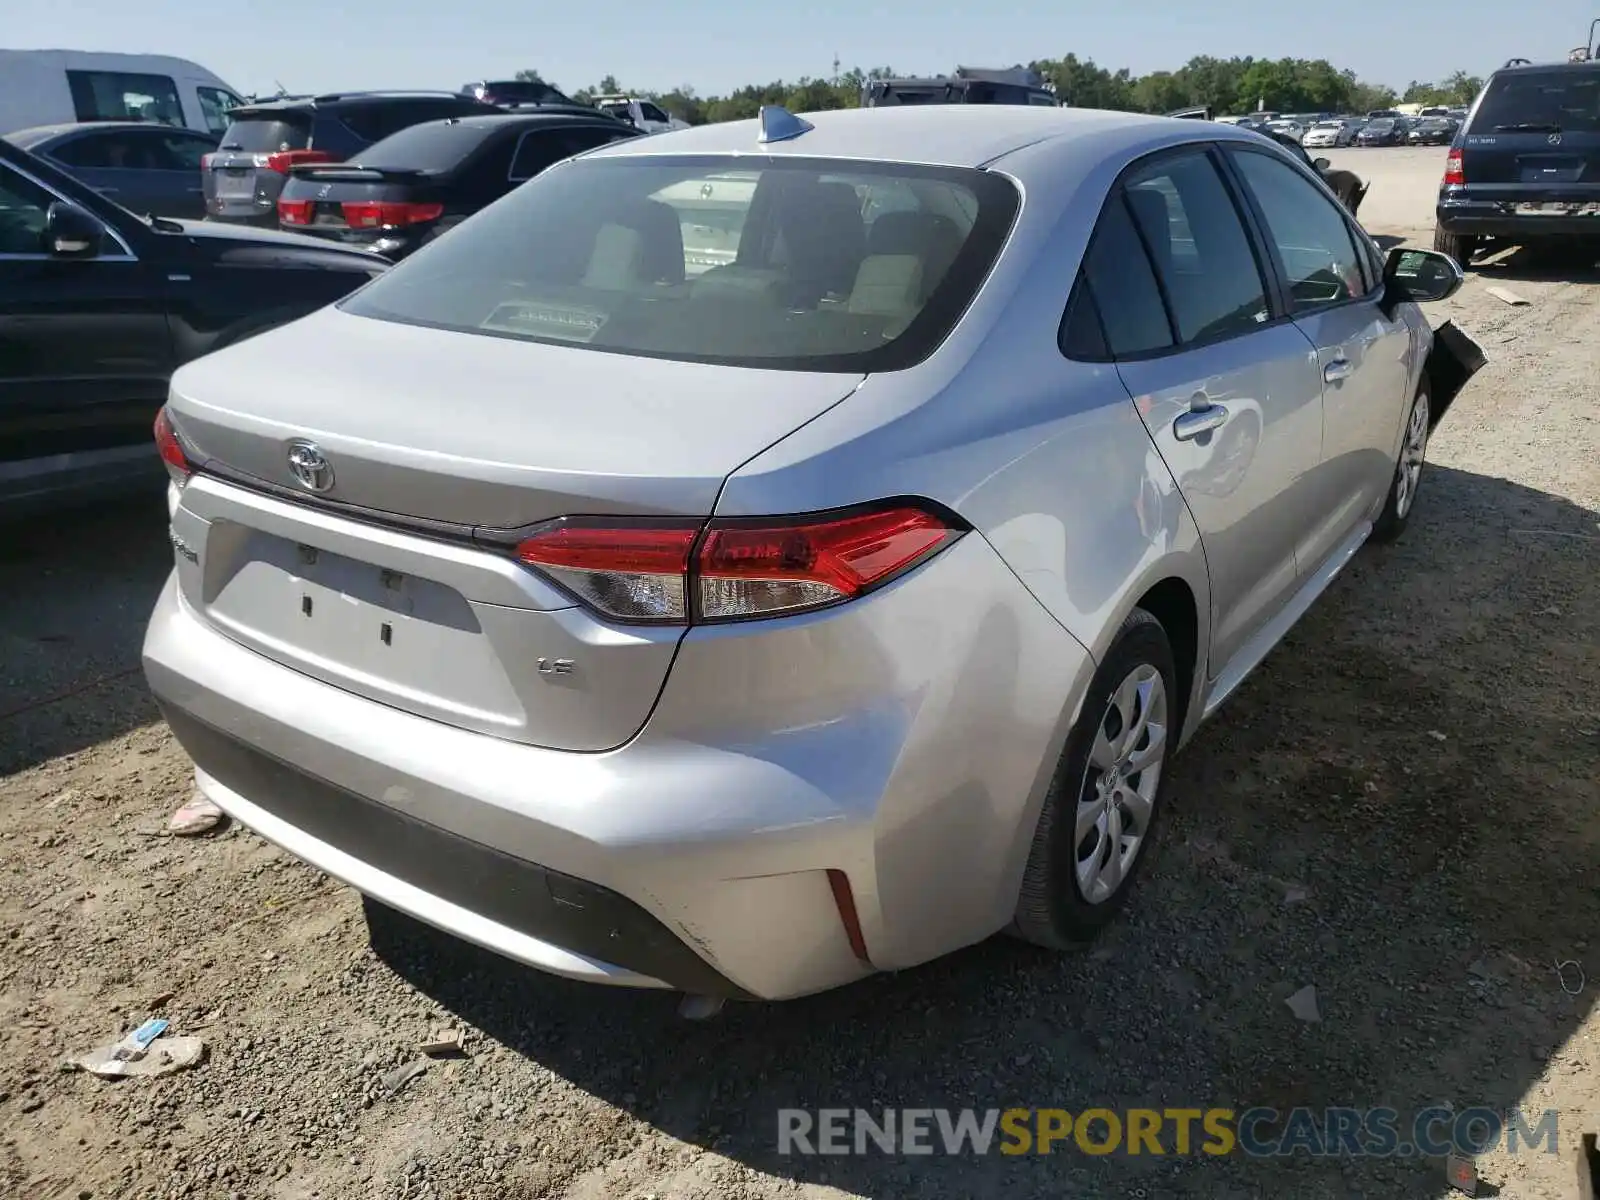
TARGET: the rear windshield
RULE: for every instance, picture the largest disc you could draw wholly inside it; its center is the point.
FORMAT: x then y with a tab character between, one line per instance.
436	146
799	264
1554	101
267	134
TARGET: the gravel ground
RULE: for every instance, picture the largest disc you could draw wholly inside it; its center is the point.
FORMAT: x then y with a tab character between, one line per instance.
1414	769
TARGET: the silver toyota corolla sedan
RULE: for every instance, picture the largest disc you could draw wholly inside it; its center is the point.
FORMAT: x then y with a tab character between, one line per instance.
744	559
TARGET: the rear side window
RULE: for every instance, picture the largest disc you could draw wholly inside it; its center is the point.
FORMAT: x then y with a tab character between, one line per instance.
1555	101
650	112
1188	222
1124	287
608	254
125	96
539	149
268	134
374	122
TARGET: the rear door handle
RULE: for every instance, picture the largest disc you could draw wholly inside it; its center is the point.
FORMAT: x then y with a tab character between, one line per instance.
1338	369
1196	421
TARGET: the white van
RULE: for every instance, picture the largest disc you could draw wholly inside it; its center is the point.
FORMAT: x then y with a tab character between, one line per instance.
54	87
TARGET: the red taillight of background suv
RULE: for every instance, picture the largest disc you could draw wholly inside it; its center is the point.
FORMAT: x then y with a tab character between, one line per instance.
678	572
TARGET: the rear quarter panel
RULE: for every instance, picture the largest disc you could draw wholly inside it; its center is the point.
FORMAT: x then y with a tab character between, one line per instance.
1048	459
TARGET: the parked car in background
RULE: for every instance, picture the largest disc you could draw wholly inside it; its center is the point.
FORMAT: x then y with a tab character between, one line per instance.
1525	168
145	168
410	188
54	87
644	115
244	177
1384	114
1325	134
508	93
624	623
1431	131
1290	129
1382	131
99	306
969	85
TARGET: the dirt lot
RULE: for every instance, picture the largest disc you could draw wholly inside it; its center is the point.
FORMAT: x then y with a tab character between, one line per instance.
1420	757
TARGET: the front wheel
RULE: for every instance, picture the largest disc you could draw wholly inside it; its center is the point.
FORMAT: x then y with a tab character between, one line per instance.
1100	814
1397	508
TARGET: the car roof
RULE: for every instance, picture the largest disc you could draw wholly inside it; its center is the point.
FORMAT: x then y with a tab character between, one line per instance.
564	114
43	133
954	135
308	103
1588	64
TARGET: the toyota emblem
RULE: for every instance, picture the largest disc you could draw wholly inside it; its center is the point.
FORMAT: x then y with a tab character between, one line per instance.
310	467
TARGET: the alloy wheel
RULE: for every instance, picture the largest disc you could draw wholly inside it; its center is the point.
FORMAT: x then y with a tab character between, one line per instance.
1117	800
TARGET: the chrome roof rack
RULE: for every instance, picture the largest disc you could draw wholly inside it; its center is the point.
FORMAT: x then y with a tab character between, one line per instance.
778	124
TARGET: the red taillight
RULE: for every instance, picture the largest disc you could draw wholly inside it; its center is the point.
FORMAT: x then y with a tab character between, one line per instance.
294	212
205	161
742	567
752	569
364	215
171	449
637	573
1454	176
284	159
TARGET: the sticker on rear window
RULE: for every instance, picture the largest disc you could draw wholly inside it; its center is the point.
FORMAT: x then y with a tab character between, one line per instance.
544	320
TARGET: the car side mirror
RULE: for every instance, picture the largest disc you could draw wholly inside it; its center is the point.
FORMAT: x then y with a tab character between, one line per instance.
1423	276
70	232
1321	164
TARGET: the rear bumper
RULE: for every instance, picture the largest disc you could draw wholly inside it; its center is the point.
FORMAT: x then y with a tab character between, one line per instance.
905	742
563	921
1499	218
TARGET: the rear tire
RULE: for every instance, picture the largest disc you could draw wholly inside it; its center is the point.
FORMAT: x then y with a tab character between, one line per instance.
1459	246
1408	471
1099	807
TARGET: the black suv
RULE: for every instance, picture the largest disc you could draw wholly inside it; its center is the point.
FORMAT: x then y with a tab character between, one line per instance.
410	188
511	93
1525	165
242	179
969	85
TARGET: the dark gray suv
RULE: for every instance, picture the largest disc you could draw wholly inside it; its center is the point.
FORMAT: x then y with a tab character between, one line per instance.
243	178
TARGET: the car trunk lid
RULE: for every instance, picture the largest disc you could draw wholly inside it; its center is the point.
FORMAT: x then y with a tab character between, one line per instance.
397	582
356	204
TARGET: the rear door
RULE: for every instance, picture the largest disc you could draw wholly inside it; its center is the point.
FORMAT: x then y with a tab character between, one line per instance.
1533	138
84	348
1229	390
1363	356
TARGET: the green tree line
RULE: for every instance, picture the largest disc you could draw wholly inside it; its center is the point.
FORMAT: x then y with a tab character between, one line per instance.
1227	85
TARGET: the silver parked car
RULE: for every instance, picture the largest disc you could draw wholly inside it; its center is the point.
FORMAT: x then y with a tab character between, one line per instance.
744	624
